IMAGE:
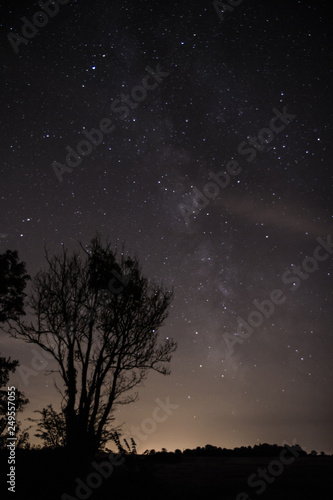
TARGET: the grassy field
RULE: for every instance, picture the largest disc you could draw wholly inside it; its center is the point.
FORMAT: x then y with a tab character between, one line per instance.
307	478
48	476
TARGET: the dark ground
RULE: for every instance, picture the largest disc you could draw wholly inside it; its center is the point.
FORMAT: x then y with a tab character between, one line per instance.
41	475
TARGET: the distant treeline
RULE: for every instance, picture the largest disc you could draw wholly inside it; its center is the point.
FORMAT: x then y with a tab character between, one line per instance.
258	450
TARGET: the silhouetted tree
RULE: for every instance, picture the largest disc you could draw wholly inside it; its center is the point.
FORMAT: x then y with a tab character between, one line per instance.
8	366
51	427
13	280
104	343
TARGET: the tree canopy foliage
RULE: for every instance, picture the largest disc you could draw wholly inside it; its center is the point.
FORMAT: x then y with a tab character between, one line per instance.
13	280
8	366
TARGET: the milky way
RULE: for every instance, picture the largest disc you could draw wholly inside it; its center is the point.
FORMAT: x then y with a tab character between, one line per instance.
218	83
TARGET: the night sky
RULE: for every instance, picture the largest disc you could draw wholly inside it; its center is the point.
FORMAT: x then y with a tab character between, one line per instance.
250	95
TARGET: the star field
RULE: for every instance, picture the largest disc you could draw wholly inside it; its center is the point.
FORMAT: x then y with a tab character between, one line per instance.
223	80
